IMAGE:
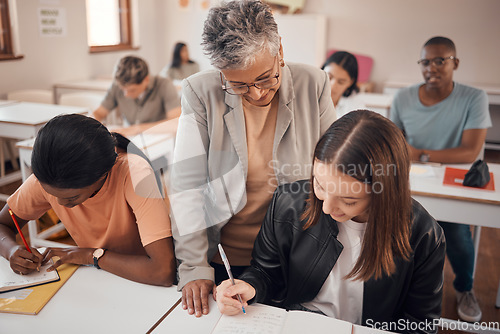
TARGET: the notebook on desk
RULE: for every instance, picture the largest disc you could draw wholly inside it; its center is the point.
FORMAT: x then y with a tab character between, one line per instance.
261	318
31	300
11	281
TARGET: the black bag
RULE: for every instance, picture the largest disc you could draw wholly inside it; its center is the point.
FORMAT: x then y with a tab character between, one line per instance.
478	175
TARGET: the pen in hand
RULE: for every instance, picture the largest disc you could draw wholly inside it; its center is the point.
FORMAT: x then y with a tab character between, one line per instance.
230	274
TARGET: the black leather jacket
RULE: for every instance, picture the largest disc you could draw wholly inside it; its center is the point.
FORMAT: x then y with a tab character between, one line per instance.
290	265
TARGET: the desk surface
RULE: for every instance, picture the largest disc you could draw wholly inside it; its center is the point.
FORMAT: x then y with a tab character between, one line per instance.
179	321
90	84
4	103
376	100
33	114
95	301
431	184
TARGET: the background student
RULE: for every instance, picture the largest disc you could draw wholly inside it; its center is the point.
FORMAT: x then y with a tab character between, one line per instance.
245	127
350	242
181	66
342	69
445	121
109	201
138	96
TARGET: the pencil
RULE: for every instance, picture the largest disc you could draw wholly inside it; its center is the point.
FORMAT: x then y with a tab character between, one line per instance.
19	229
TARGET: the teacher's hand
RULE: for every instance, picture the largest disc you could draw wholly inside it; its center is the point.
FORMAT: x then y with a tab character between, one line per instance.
227	300
195	296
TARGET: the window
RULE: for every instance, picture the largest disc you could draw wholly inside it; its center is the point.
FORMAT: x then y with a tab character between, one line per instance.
109	25
6	40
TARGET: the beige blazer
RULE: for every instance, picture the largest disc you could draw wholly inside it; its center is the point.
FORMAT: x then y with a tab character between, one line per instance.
209	169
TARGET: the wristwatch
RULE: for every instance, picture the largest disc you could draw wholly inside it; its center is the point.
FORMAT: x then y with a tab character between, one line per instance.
424	157
98	253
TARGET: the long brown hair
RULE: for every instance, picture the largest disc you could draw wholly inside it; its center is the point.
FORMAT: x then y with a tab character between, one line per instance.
375	152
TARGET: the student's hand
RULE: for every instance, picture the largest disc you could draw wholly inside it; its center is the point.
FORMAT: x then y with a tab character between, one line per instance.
23	262
73	255
195	296
414	153
228	302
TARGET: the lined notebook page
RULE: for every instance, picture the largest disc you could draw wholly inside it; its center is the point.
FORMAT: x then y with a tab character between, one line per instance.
11	281
259	319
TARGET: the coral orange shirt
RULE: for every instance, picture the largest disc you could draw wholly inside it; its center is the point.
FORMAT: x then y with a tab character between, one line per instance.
126	214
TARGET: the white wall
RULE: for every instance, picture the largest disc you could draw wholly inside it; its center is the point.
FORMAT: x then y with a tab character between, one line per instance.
393	32
54	59
390	31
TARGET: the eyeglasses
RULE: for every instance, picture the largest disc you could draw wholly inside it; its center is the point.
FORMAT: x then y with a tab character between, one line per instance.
438	61
243	89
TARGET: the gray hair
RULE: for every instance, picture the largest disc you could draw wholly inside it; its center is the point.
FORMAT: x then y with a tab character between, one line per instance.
131	70
236	31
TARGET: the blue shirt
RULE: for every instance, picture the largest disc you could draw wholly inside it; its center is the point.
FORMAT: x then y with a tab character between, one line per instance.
440	126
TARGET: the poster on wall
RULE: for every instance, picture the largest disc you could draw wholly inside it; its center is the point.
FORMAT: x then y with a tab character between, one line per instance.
52	22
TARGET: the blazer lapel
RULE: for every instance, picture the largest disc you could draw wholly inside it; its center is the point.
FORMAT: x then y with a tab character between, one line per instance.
285	114
234	120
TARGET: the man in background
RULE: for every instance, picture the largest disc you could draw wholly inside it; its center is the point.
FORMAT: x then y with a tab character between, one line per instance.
139	97
445	121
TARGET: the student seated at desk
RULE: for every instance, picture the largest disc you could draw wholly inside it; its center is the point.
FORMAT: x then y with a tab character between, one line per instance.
445	121
109	201
139	97
350	242
342	69
182	66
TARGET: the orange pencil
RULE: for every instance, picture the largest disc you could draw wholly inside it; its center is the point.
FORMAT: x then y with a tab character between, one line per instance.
19	229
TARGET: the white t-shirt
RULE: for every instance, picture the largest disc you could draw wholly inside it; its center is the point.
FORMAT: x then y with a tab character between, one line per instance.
339	298
348	104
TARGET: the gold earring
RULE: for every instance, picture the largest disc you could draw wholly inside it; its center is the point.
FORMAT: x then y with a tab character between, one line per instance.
282	63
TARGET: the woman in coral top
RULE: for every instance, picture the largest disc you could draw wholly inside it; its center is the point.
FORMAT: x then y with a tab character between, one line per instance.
106	195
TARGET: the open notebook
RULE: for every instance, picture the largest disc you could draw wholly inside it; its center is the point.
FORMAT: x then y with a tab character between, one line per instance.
28	294
272	320
11	281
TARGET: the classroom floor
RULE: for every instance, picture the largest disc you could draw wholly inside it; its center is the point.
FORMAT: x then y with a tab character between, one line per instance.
487	276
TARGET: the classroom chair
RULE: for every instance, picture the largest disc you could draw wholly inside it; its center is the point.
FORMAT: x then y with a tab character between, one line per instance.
32	95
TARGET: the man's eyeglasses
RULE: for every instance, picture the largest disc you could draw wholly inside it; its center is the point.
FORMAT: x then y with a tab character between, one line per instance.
438	61
243	89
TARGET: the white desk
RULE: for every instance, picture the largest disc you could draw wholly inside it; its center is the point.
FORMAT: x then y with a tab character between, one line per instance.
95	85
463	205
95	301
380	103
7	102
179	321
458	204
22	120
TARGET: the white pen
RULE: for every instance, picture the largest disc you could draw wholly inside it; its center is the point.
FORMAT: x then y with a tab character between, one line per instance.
230	274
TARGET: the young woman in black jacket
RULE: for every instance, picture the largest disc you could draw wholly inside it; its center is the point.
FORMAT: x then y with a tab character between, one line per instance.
354	245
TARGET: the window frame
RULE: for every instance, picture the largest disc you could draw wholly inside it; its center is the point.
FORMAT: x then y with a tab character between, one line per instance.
126	31
8	36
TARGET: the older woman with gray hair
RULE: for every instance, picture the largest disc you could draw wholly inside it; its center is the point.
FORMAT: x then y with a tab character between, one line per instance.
246	127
